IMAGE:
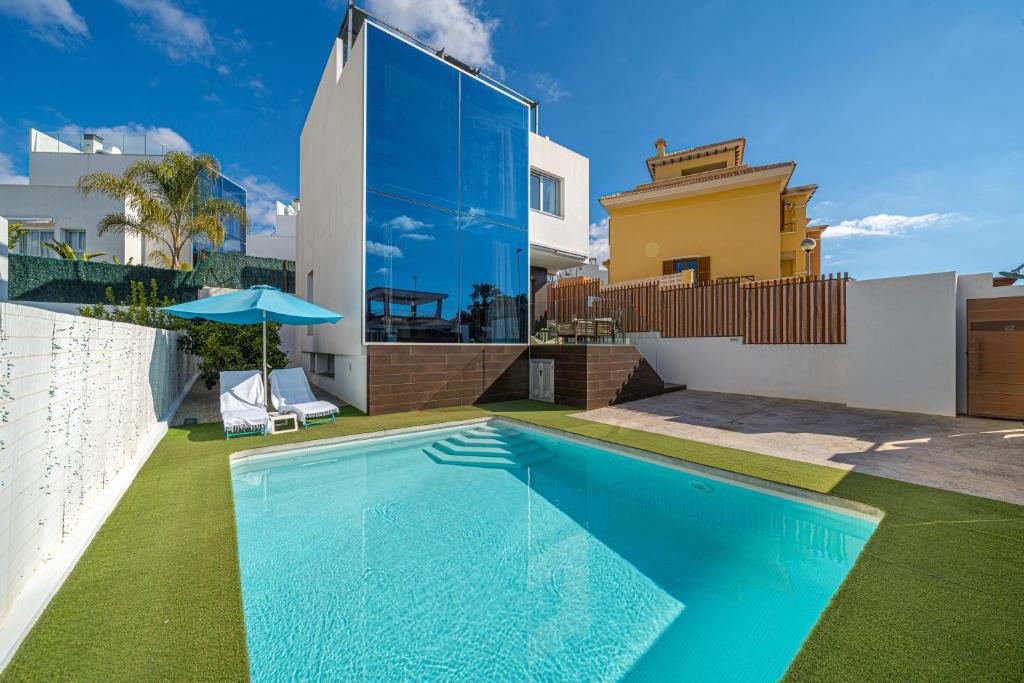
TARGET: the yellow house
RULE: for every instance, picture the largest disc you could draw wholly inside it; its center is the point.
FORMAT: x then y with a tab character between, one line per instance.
706	211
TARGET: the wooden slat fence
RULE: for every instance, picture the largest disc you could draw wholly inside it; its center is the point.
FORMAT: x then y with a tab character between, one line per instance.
634	304
709	310
798	310
568	300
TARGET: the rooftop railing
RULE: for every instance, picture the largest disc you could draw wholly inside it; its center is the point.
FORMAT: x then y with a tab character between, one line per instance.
98	143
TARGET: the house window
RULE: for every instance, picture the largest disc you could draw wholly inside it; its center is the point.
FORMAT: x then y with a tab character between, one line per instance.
545	193
700	265
32	243
76	240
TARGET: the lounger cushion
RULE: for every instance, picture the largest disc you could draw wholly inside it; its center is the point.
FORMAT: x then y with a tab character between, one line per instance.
290	393
244	420
311	410
241	400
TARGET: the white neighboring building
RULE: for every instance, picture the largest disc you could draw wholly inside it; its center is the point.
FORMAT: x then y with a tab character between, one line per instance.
52	208
589	269
280	243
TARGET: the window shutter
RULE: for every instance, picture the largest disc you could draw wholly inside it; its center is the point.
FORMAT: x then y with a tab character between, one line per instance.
704	269
667	267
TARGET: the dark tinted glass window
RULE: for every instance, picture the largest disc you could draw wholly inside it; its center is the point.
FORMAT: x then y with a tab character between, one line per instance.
412	122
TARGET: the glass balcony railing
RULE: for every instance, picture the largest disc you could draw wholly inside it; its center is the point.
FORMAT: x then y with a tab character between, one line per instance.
589	320
97	143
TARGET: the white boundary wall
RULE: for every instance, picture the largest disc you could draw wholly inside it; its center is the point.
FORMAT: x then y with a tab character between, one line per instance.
905	350
83	402
901	344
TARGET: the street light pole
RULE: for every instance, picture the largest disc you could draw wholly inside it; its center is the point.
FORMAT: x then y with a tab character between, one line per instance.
808	244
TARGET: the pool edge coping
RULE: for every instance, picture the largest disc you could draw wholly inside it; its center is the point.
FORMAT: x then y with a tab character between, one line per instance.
807	496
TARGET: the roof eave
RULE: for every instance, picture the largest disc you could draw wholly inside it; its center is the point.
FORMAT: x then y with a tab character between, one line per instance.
780	173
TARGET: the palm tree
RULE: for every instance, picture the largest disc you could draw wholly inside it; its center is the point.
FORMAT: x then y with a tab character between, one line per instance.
14	234
64	250
168	201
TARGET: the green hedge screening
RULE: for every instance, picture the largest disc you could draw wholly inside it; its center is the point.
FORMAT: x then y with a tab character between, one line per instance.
35	278
241	272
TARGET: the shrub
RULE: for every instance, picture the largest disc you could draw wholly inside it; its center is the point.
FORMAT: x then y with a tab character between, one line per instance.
231	347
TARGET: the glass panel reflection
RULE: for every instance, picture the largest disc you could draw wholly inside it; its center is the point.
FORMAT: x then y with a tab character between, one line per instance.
493	282
494	155
447	202
412	122
411	272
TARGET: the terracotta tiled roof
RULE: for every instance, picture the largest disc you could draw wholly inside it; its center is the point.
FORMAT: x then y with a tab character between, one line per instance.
812	188
698	178
736	143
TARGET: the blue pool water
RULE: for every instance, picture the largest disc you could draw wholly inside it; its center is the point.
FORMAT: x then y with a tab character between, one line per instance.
496	553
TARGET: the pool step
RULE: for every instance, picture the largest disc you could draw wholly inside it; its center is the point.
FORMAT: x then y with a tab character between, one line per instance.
475	450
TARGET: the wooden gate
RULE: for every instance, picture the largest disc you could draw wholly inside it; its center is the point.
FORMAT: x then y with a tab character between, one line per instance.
995	357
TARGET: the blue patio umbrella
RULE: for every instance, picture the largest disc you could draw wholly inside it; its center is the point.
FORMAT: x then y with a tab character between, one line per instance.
258	304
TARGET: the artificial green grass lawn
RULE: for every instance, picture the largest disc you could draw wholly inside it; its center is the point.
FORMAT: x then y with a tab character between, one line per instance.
937	594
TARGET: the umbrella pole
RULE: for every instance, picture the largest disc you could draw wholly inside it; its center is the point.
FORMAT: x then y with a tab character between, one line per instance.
265	389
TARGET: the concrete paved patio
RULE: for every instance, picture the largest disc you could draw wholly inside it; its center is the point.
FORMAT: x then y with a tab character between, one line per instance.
970	455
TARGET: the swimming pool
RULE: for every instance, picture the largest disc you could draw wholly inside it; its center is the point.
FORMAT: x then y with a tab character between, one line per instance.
493	551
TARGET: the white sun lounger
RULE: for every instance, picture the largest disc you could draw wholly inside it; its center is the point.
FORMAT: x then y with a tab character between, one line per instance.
290	393
242	407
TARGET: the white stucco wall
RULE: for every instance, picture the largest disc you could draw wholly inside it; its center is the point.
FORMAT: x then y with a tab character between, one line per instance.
978	286
905	347
803	371
51	168
70	210
270	245
4	268
82	404
901	344
571	232
330	224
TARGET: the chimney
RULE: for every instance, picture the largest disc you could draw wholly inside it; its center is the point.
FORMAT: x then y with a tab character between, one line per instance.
659	145
92	143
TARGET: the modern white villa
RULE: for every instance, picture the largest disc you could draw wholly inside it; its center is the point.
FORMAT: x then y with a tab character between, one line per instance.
432	210
279	243
52	208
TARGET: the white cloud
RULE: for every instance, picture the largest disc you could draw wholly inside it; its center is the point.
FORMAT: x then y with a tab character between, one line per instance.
256	84
888	225
599	247
8	176
53	21
181	36
211	97
406	223
168	137
378	249
548	89
383	271
418	236
261	196
223	70
458	26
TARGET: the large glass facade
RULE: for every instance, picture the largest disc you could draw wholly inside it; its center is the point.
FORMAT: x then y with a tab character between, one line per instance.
234	237
447	202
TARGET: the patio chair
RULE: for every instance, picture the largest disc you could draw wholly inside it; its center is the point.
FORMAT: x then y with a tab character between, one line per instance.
290	393
567	331
586	329
242	406
605	328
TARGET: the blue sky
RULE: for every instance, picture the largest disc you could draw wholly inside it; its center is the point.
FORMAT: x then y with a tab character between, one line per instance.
909	120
